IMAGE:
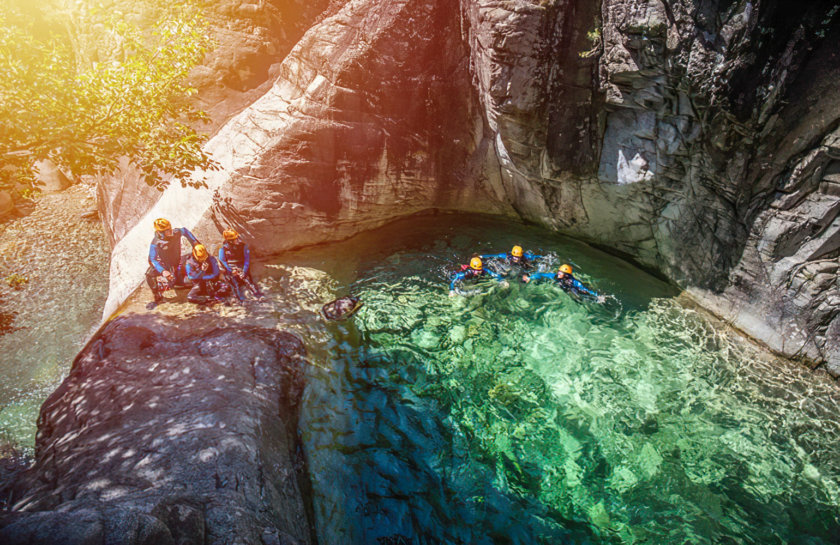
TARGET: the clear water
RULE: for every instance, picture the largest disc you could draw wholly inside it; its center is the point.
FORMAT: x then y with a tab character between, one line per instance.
510	416
65	259
522	416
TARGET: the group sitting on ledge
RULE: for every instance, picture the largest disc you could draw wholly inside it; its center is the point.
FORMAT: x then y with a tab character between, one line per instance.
200	271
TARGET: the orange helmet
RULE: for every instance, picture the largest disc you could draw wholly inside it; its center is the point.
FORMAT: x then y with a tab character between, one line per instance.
566	268
162	224
200	252
475	263
516	251
230	234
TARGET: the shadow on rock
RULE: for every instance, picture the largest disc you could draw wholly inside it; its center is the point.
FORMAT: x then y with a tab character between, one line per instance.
169	431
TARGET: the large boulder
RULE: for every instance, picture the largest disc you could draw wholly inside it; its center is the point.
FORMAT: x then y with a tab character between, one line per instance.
169	431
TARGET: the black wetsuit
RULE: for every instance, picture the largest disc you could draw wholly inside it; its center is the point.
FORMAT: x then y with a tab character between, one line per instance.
235	254
165	255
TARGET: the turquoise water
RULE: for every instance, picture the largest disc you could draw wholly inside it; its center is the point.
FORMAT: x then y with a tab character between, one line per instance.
513	415
65	259
519	415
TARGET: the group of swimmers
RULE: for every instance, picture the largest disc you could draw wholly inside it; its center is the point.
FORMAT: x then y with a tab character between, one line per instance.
200	271
521	262
209	282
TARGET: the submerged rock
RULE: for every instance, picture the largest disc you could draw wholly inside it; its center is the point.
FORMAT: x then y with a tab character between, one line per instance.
169	431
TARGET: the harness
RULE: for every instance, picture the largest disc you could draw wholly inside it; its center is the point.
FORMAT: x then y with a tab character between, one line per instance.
168	249
234	253
470	273
567	282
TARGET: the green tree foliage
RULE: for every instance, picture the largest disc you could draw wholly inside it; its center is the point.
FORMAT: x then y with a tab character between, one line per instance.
86	109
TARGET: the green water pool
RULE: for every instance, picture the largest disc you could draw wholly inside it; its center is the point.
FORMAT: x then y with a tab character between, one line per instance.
520	415
514	415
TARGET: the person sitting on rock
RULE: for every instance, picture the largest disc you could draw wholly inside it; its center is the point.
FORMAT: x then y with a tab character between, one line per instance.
235	257
203	271
567	282
166	265
515	257
474	271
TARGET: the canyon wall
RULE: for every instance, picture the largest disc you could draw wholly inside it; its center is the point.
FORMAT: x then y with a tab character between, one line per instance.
698	138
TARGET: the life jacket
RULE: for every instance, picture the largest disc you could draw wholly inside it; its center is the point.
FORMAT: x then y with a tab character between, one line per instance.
168	249
195	265
521	261
469	272
567	281
234	253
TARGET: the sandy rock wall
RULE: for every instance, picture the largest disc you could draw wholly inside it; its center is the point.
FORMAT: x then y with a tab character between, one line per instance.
383	126
252	38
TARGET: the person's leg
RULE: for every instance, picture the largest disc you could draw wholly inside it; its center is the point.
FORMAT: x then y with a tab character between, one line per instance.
219	290
233	282
151	280
198	292
252	285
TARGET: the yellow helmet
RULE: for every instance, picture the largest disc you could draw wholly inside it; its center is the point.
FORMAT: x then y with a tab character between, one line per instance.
230	234
162	224
566	268
200	252
516	251
475	263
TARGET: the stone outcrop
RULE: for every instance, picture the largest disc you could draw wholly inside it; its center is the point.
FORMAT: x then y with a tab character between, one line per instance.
169	431
698	138
371	118
252	37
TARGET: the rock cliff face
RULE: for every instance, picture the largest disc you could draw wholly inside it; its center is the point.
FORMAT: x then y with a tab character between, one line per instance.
697	137
252	38
169	431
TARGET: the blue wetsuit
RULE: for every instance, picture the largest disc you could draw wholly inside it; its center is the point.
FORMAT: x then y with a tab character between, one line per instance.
195	273
470	274
165	252
568	282
204	282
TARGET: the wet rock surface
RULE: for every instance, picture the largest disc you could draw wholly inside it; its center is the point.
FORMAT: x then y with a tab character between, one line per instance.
169	431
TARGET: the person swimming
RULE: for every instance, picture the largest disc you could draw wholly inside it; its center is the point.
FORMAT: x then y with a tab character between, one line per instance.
515	257
472	272
567	282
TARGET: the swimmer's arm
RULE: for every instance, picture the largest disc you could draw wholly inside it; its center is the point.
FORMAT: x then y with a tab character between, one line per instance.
459	276
539	275
580	287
